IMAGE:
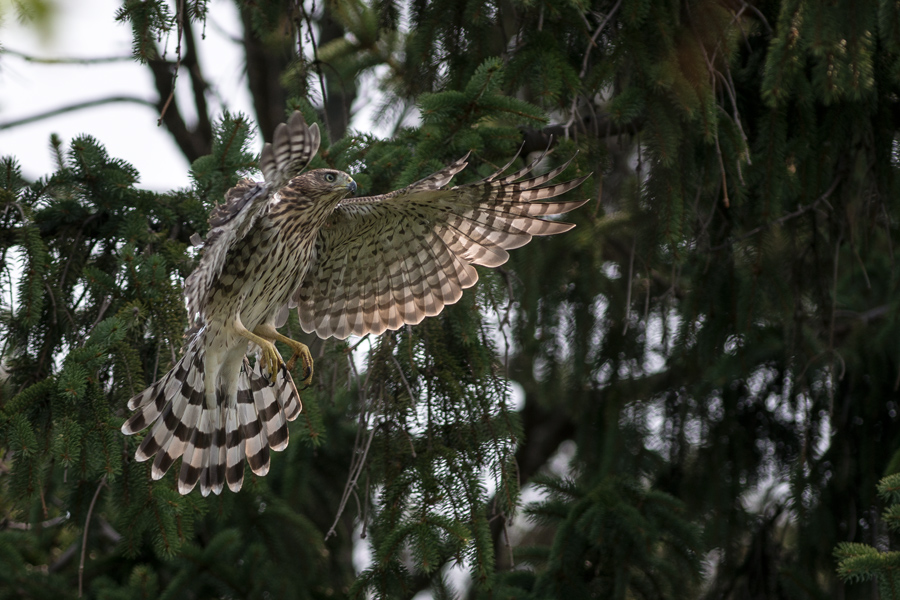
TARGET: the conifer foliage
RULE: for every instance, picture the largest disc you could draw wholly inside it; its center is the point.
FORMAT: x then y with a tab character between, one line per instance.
715	344
862	562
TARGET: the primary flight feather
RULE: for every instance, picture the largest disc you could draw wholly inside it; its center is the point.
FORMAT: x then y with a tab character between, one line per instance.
350	266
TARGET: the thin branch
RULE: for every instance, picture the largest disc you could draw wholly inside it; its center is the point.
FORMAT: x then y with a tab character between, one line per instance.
352	348
725	199
107	301
28	526
761	16
87	521
593	42
65	61
198	84
630	283
834	276
74	107
412	397
359	458
355	472
783	218
180	17
316	63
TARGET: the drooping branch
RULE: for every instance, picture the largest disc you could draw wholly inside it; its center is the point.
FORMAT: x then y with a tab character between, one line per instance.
199	86
74	107
192	142
65	60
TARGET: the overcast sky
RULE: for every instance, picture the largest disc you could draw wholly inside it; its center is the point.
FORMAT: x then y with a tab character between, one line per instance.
87	29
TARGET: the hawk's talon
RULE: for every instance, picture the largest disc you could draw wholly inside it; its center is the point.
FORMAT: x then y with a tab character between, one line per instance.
266	333
302	352
271	361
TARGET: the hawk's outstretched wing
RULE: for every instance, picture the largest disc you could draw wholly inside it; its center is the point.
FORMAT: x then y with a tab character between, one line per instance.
294	146
390	260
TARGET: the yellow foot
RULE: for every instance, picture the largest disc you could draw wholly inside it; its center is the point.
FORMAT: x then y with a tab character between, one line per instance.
271	359
300	351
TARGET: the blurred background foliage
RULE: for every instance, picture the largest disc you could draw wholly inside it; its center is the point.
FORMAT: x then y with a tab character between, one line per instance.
692	394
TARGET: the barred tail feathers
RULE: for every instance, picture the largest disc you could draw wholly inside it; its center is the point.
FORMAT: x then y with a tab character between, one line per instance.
212	443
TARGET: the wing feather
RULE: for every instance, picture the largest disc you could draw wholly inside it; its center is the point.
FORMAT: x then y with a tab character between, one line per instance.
293	147
390	260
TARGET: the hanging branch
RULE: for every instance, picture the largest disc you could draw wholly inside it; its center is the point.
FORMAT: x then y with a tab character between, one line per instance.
316	63
359	454
180	19
783	218
87	522
65	61
74	107
587	55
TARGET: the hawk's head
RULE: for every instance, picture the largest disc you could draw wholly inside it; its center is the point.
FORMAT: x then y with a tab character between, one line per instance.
324	184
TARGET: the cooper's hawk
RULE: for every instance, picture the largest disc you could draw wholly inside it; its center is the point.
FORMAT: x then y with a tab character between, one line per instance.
351	266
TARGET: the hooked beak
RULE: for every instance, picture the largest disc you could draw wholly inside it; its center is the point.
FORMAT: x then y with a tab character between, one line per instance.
351	187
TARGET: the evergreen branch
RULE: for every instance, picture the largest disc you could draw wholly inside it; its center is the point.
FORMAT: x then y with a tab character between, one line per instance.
73	107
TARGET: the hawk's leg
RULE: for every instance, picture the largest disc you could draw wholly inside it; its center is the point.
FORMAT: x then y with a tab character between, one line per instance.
271	359
300	350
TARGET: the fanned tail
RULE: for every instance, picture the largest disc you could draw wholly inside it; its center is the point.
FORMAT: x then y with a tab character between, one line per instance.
174	406
212	443
260	422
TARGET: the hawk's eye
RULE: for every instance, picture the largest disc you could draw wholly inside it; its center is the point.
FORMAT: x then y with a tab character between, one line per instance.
330	177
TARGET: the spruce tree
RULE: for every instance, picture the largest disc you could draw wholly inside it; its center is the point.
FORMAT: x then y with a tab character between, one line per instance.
717	339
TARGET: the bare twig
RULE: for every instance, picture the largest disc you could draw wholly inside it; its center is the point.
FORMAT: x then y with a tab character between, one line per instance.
725	199
73	107
28	526
761	16
87	521
180	18
359	461
628	293
352	348
512	560
65	61
593	42
412	397
837	255
316	63
104	306
783	218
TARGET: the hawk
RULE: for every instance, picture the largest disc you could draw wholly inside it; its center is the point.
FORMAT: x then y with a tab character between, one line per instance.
349	265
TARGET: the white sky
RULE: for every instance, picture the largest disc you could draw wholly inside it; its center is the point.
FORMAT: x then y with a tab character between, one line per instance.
87	29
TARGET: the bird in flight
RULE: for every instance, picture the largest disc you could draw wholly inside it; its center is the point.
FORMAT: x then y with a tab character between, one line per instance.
350	265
